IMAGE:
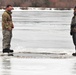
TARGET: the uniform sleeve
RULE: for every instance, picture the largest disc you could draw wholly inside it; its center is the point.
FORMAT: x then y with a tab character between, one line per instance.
73	24
71	27
5	21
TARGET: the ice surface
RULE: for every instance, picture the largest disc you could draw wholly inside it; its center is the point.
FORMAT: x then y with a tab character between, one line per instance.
42	31
14	66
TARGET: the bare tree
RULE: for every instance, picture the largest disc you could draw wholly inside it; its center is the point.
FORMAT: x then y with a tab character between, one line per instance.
39	3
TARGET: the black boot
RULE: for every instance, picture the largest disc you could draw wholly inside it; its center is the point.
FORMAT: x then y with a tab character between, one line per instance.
74	54
7	50
11	51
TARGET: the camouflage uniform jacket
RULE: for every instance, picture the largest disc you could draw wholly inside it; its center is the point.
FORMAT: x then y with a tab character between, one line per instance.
73	25
7	20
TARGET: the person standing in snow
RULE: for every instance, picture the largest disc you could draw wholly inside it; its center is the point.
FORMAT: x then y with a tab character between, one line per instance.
7	26
73	30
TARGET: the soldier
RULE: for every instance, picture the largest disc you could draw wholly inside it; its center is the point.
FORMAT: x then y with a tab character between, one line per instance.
73	29
7	27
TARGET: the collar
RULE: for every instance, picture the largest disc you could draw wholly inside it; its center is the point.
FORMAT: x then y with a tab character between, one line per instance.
9	12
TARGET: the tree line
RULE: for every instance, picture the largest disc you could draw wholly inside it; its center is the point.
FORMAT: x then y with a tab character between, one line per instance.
40	3
26	3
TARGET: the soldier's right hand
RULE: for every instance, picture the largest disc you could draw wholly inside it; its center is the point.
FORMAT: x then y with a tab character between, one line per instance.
12	26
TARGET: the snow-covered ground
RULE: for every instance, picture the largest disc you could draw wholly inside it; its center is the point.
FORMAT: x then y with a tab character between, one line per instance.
42	44
41	31
24	66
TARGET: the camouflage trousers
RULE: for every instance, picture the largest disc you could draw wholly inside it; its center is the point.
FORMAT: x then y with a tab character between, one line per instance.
7	35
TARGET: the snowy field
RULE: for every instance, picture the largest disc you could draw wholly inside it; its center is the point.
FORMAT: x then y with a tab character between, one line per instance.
42	44
21	66
41	31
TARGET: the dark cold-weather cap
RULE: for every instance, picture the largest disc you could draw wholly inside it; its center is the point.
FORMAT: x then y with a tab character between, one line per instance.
8	6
